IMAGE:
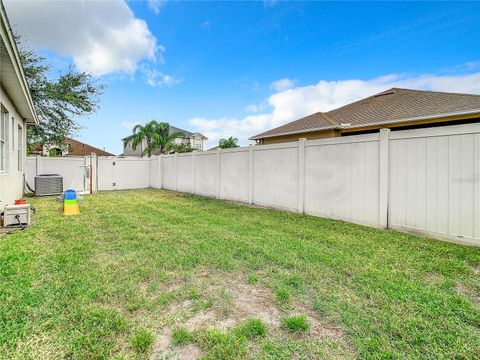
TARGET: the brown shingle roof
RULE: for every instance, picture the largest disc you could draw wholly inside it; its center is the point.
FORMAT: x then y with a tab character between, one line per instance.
317	121
393	105
77	148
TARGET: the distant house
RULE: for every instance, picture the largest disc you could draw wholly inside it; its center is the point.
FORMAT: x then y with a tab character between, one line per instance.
16	111
397	109
196	140
69	147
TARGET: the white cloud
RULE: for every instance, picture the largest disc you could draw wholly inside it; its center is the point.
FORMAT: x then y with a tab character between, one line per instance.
100	36
294	103
206	24
158	78
129	124
156	5
283	84
216	129
255	107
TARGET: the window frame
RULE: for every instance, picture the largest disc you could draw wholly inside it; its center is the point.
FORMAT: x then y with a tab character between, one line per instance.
20	147
13	132
4	148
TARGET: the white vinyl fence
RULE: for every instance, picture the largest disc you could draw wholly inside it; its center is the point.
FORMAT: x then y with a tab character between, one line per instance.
74	170
425	180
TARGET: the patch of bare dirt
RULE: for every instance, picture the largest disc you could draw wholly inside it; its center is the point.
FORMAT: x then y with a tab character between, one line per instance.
476	269
233	302
434	278
469	293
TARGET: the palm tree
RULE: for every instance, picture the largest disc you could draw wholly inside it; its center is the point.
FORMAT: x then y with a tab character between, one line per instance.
231	142
156	135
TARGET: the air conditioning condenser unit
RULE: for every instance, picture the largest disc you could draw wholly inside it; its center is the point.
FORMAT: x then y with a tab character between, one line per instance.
48	184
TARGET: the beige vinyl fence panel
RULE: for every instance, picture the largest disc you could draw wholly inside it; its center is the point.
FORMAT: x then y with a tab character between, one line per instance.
342	180
435	182
185	173
169	172
206	165
275	176
234	171
155	172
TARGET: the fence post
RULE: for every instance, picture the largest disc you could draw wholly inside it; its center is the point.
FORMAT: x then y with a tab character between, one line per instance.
301	175
160	171
38	159
250	174
176	171
383	181
218	174
93	173
194	173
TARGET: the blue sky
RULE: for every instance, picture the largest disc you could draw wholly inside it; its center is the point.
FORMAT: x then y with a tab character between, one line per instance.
238	68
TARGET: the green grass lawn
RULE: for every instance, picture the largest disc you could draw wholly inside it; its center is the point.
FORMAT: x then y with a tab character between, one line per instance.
153	274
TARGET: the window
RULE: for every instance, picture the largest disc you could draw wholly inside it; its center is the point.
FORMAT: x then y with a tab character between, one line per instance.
3	140
20	148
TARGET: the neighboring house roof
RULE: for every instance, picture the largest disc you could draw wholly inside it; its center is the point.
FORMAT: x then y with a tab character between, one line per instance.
391	106
174	129
11	71
187	134
197	134
76	148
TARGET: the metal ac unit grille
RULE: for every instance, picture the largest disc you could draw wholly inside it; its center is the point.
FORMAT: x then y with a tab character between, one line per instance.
49	184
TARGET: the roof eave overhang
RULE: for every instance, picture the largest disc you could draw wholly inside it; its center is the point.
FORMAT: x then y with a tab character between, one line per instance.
6	34
260	136
386	122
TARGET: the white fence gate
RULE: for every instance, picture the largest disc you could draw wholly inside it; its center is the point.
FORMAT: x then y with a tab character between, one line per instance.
425	180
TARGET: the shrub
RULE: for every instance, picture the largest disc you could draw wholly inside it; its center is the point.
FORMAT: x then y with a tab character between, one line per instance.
296	323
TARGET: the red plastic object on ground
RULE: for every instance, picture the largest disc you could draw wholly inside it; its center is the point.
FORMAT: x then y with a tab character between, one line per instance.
20	202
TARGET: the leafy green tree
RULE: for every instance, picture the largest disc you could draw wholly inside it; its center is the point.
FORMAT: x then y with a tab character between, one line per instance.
58	101
231	142
182	148
156	135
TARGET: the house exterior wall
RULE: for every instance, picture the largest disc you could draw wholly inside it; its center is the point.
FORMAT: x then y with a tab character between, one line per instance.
198	143
11	179
314	135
